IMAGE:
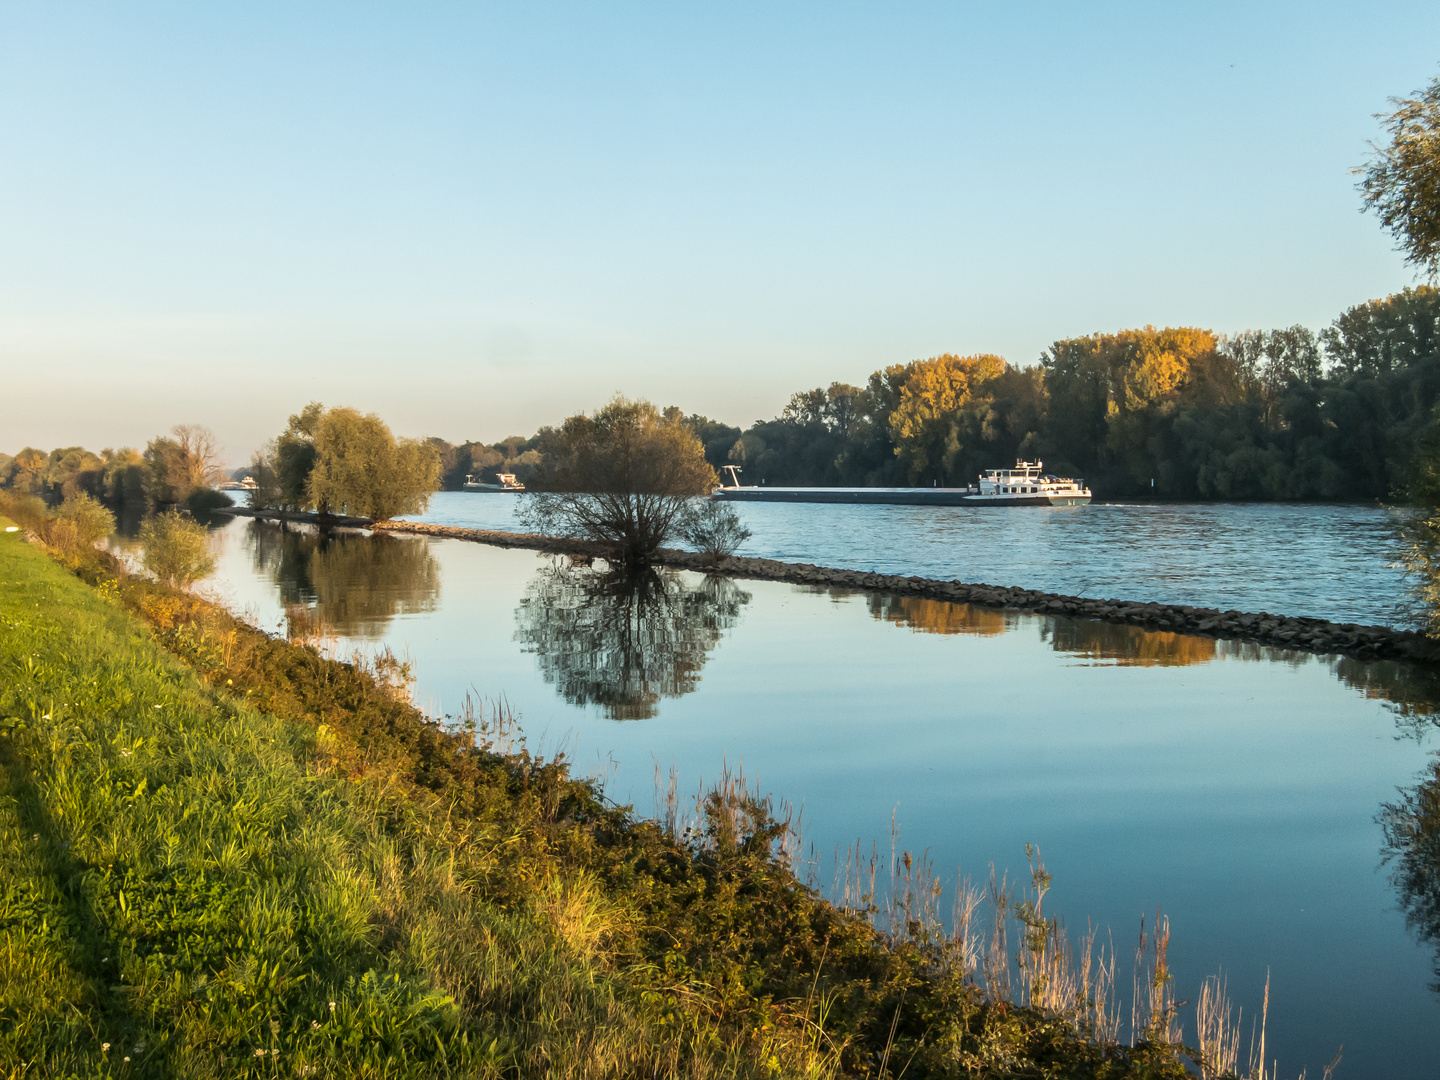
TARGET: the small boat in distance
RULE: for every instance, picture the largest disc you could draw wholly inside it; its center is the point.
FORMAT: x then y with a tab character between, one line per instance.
1027	484
507	482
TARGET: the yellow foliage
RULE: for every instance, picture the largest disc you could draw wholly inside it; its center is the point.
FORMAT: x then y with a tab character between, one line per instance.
1137	368
938	616
924	421
935	388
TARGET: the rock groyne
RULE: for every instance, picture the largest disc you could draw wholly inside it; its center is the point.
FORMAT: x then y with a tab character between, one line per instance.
1283	631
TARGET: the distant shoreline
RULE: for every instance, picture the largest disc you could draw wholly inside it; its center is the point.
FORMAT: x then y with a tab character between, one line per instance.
1265	628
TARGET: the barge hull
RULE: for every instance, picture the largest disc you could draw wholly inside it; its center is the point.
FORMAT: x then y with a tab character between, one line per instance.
894	497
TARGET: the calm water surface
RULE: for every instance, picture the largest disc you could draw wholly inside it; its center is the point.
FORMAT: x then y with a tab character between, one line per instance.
1235	789
1325	561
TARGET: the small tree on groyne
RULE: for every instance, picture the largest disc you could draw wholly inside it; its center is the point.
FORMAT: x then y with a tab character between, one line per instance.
624	476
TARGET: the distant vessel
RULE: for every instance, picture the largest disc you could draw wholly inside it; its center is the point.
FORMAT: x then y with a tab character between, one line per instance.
248	484
507	482
1027	484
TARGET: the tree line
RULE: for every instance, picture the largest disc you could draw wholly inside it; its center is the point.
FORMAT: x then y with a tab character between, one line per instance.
178	469
334	461
1180	412
1282	414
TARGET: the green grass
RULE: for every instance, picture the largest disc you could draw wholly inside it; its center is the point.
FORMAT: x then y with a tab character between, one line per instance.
208	836
178	885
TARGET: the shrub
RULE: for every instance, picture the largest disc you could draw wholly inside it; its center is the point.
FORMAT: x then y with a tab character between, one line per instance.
203	500
27	511
177	549
713	528
91	521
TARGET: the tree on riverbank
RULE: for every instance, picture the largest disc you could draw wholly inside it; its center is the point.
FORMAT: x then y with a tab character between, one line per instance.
339	461
361	470
1402	181
624	476
186	461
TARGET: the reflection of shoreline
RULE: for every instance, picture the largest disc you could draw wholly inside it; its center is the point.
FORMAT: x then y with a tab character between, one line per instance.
1411	691
624	643
1412	848
353	584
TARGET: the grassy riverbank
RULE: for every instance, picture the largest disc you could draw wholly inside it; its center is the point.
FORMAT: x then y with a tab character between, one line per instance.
224	854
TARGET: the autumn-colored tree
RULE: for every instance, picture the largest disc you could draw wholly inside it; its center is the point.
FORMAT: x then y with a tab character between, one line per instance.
362	471
26	471
926	421
624	476
179	465
1106	390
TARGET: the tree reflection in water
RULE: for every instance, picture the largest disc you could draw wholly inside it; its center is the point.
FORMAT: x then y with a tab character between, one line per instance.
1412	844
1410	691
353	584
624	642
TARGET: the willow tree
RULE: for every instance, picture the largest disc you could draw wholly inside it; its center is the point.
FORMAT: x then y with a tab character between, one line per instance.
362	471
624	476
1402	181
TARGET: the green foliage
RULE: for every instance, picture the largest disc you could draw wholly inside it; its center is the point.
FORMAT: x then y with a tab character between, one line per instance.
90	520
360	469
204	500
624	476
1279	414
716	437
294	457
177	549
1402	181
1383	336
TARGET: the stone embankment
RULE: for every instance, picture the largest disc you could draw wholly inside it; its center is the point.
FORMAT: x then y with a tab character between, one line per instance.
1310	635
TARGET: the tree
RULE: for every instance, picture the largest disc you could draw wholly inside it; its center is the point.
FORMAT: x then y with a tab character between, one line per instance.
262	472
1401	183
182	464
624	477
293	457
177	549
1110	394
90	520
1381	336
360	469
714	529
925	423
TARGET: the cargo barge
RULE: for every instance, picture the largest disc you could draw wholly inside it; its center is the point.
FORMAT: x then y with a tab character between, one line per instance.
1027	484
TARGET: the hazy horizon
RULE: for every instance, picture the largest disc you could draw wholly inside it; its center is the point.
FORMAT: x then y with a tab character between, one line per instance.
475	221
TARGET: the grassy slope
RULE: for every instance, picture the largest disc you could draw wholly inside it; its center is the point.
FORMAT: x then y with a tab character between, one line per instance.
198	859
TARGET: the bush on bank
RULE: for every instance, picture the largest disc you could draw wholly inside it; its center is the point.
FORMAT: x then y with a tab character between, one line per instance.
233	856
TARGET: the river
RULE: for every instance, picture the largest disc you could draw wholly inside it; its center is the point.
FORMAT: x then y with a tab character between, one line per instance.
1235	789
1332	561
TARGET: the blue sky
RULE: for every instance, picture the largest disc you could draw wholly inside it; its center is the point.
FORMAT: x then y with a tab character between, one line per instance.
476	219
